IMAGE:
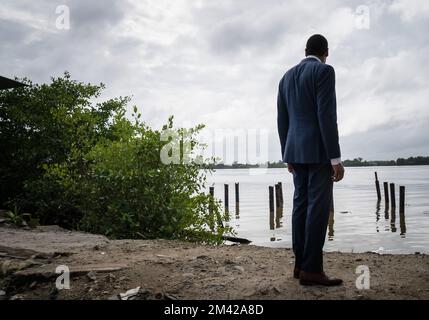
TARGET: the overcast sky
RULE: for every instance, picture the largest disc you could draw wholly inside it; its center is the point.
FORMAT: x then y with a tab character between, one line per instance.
219	62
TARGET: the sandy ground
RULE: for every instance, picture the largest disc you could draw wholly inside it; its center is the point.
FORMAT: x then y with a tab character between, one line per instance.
101	269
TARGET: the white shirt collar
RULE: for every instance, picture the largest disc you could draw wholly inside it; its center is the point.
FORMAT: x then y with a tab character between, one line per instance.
311	56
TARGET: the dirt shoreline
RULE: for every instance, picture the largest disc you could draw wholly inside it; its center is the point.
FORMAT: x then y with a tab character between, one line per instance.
101	269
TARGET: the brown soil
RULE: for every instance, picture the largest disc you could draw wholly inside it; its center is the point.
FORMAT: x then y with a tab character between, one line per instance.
177	270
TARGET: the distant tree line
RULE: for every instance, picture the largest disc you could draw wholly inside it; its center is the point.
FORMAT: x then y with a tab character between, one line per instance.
413	161
237	165
358	162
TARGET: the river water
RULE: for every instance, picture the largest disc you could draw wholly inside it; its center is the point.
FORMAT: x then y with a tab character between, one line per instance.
360	223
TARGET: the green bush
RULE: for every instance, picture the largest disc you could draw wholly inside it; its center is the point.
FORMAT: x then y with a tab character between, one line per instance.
95	170
42	124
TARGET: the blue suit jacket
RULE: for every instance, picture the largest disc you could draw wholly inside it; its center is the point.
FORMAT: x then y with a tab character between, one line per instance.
307	114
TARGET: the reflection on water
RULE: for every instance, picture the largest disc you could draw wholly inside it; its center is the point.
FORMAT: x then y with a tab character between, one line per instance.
278	223
402	224
331	222
393	220
390	224
386	212
377	216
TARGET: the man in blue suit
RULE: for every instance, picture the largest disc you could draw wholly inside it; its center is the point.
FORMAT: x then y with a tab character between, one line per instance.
308	130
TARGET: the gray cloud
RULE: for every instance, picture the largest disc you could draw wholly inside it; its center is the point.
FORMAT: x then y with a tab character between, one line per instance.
220	62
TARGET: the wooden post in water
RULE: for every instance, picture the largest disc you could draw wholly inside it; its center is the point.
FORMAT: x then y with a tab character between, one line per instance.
278	205
386	193
281	194
271	199
278	199
211	200
237	199
392	196
226	199
402	199
211	204
377	187
402	211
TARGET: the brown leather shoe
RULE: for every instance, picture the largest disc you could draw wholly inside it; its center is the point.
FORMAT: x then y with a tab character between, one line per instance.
296	272
314	279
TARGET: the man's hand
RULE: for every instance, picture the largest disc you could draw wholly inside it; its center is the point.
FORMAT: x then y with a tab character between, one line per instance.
290	168
338	172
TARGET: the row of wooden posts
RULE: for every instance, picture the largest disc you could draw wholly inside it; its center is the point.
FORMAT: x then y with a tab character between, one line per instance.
276	190
237	210
275	199
226	197
276	202
276	196
392	194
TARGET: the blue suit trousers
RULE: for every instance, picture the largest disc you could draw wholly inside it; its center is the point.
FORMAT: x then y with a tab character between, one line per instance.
311	209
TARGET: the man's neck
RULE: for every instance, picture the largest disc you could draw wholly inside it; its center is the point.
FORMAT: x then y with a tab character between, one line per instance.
315	57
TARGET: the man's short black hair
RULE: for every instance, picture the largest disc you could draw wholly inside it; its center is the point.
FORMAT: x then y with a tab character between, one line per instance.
317	45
